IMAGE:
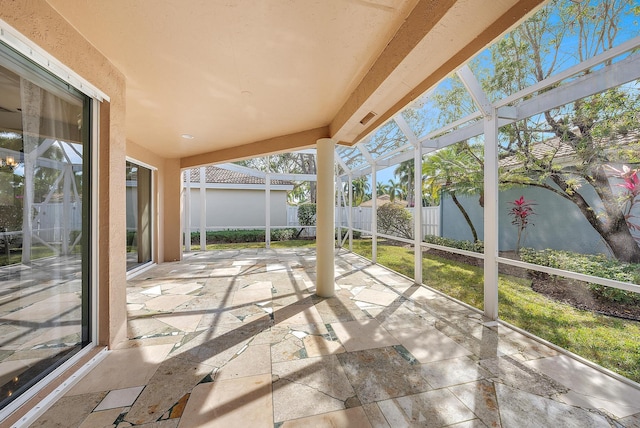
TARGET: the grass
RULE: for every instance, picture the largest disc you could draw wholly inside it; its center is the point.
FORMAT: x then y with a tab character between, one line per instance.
299	243
15	256
608	341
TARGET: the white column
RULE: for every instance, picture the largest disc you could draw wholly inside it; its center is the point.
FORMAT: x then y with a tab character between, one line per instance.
417	213
187	210
325	211
350	187
66	206
339	213
31	97
203	208
374	216
491	215
267	211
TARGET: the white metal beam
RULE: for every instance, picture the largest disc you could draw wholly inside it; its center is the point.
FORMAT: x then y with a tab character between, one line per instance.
406	129
365	153
417	213
374	217
203	208
576	69
475	89
187	210
616	74
242	169
491	216
267	211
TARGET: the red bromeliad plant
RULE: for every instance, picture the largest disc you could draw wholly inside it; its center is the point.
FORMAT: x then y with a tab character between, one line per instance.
631	183
521	211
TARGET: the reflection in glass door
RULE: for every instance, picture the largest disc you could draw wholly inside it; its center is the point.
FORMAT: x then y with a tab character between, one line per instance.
44	224
139	225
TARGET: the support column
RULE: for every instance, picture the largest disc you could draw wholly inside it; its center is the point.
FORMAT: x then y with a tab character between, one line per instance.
417	213
491	215
338	214
66	207
169	181
187	210
31	98
267	211
374	215
203	208
350	187
325	211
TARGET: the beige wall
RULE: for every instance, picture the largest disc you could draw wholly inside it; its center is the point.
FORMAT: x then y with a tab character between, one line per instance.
36	20
166	200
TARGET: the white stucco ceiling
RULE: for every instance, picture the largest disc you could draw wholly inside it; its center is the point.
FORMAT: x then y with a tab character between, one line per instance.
233	72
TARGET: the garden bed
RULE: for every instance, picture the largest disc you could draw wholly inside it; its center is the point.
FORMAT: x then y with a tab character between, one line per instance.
572	292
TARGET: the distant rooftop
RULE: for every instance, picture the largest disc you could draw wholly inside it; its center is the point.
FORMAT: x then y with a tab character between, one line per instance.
221	175
563	152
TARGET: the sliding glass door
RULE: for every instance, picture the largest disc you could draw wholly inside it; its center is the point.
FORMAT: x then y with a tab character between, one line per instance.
44	223
139	219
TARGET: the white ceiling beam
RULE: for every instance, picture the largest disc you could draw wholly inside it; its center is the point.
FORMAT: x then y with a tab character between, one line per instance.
576	69
475	90
406	129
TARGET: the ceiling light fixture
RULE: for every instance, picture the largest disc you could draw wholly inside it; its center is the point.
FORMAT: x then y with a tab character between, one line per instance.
188	136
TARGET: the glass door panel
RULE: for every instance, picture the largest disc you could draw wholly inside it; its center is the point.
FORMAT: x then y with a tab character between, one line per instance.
139	227
44	224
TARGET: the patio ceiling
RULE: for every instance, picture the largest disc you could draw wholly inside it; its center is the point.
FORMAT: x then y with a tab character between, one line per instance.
247	78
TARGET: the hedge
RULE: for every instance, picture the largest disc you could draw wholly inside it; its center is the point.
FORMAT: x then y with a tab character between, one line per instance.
242	235
596	265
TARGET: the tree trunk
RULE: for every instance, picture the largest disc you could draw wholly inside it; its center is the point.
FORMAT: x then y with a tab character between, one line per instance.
465	215
614	231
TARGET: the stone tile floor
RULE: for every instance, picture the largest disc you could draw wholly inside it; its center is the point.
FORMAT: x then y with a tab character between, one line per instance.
238	338
40	317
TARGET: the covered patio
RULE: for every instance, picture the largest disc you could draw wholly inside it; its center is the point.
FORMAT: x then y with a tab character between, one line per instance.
515	96
240	337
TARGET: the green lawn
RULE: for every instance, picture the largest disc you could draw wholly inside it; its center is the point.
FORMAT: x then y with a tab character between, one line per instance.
610	342
15	256
300	243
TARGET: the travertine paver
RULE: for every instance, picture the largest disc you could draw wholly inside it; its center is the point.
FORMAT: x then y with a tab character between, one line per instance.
237	338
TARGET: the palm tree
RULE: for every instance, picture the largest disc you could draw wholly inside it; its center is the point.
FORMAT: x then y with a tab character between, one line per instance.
405	173
382	189
395	190
360	187
457	170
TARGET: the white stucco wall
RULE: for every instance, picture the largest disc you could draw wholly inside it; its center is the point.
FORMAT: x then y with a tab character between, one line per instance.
229	208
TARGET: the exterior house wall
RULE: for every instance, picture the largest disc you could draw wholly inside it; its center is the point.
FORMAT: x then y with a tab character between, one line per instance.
166	202
41	24
558	224
229	208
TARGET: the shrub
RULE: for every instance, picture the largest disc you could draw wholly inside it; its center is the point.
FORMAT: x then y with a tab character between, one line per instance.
596	265
476	247
393	219
356	234
73	235
229	236
131	235
521	212
282	234
307	214
242	236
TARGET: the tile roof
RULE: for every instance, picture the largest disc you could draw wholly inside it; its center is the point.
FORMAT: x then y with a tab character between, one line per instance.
383	200
220	175
562	151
